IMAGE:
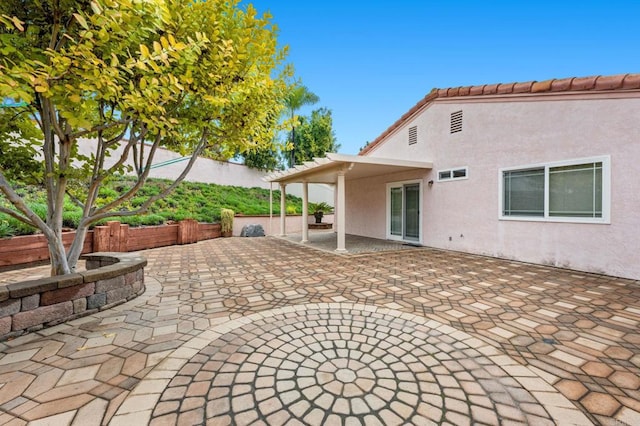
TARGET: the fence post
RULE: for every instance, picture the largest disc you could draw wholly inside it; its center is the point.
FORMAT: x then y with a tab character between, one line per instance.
111	237
187	231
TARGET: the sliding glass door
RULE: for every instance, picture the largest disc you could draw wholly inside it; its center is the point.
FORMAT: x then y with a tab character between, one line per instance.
404	211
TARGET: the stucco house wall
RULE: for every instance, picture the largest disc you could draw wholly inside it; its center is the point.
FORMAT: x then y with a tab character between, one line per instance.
366	208
508	131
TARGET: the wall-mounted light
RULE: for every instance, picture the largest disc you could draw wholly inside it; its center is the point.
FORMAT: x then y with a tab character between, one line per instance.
430	183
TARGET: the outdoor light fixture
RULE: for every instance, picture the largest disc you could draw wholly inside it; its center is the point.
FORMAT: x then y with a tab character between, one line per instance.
430	183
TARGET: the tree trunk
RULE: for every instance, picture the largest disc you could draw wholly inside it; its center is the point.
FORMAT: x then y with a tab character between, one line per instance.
57	255
293	144
75	251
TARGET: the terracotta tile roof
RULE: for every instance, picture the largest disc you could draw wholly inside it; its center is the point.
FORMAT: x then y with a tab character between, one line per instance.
572	84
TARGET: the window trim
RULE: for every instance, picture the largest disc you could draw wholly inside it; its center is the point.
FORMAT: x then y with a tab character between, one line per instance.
451	170
606	191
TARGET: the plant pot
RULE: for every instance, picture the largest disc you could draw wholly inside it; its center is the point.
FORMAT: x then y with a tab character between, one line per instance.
318	216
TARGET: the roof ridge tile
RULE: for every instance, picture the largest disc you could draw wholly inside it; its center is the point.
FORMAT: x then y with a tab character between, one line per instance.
561	84
583	83
631	81
506	88
610	82
490	89
541	86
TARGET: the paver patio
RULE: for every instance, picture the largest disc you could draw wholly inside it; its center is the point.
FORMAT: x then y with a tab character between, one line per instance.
263	331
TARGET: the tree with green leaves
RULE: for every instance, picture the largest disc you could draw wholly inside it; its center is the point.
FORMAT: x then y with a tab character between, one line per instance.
196	77
278	154
266	158
297	96
315	136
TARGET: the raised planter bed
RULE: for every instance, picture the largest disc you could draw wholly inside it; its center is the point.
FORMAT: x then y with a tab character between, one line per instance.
110	279
17	252
320	225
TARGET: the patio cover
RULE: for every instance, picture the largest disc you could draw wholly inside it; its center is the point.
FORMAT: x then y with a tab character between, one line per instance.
335	169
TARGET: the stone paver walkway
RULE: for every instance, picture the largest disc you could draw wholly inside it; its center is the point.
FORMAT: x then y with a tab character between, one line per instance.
262	331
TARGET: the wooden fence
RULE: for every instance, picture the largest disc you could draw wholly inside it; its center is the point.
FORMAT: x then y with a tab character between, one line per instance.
113	237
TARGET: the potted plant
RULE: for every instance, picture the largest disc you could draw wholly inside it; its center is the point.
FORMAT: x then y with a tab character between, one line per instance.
226	222
319	210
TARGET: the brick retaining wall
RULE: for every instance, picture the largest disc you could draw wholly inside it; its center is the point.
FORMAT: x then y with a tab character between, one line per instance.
110	279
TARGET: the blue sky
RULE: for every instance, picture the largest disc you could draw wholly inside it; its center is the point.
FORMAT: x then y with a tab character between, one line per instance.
371	61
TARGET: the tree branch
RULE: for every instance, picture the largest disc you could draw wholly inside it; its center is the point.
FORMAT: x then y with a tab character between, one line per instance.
30	218
15	215
131	192
99	128
75	199
104	213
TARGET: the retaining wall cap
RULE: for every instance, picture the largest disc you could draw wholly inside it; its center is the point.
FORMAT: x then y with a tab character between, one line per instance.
69	280
4	293
27	288
106	255
102	273
125	263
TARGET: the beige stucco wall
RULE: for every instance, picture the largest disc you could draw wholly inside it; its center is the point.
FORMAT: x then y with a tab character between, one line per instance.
318	192
210	171
363	196
463	215
204	170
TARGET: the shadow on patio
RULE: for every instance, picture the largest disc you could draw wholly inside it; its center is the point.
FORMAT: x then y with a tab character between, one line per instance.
355	244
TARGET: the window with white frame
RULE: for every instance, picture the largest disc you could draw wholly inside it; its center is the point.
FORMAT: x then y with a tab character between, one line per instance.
573	191
452	174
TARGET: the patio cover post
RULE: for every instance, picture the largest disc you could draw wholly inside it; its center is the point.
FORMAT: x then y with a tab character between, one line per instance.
340	210
283	209
305	212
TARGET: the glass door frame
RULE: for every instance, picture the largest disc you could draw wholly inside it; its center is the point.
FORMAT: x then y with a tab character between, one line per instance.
388	215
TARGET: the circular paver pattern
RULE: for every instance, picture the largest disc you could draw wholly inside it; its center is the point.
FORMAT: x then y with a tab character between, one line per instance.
347	366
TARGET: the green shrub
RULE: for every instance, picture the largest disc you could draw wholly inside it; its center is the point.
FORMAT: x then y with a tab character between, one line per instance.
226	220
20	228
40	209
130	220
71	219
152	219
142	220
190	200
5	229
179	215
320	207
138	201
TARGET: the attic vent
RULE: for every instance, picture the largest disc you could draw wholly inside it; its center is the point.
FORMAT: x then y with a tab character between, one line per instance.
456	122
413	135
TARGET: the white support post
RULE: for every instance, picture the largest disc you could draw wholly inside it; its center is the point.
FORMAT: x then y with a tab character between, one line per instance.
305	212
283	209
335	208
340	207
